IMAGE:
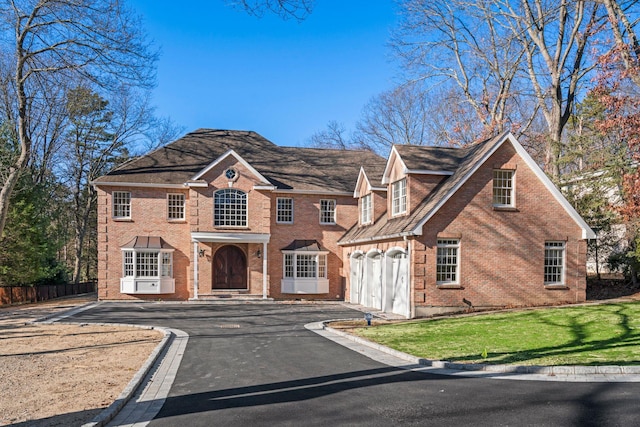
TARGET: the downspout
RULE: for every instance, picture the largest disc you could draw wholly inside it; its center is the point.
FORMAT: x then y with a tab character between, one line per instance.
264	270
195	270
411	308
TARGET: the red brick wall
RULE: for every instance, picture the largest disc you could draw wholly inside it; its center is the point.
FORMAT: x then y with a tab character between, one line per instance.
148	218
306	226
502	252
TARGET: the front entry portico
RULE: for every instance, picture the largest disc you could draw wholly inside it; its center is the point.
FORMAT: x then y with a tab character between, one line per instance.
230	261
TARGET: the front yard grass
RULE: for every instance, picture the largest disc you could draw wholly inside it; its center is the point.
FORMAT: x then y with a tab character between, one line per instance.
607	334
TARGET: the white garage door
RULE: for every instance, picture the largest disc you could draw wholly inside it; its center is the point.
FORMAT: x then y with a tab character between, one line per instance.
396	284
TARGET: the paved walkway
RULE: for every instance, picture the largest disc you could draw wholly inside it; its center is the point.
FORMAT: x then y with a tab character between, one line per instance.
155	379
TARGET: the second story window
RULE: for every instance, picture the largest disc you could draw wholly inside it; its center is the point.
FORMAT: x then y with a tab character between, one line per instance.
503	188
284	210
365	209
121	204
399	200
175	206
327	211
230	208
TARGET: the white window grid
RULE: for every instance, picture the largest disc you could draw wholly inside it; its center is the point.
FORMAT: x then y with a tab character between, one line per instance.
146	264
121	204
305	266
167	264
288	265
128	263
230	208
448	261
365	214
327	211
175	206
554	263
399	197
284	210
503	187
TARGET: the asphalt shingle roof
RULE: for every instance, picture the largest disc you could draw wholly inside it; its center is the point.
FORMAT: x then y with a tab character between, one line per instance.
285	167
467	158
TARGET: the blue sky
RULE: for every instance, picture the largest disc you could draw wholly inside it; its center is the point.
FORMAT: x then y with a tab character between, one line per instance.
222	68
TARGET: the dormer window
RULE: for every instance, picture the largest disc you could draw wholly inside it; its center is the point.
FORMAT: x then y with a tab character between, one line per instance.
365	209
399	197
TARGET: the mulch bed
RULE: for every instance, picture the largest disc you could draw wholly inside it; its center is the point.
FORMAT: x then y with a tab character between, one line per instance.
610	288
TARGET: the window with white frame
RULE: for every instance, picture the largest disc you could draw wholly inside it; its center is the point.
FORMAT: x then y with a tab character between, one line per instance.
284	210
399	197
503	195
305	265
554	263
121	204
175	206
230	208
147	263
305	272
365	209
327	211
448	262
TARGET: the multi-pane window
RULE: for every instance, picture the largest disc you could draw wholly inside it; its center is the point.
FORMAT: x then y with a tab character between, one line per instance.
448	261
554	263
288	265
284	210
166	265
327	211
503	188
121	204
128	264
399	197
365	209
230	208
175	206
146	264
305	266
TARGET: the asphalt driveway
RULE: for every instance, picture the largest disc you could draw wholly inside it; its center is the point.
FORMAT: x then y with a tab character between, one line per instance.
256	364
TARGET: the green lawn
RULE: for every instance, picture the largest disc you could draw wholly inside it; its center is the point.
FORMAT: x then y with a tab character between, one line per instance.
607	334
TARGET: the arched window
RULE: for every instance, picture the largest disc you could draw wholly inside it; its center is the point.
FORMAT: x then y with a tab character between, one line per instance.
230	208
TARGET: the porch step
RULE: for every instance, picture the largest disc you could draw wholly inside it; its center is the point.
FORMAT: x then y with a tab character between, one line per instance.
231	296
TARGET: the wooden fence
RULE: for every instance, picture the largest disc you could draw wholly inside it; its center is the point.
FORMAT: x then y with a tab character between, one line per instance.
22	294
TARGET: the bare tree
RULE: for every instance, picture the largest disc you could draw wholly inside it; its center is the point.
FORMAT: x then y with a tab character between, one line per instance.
334	136
398	116
463	42
297	9
54	40
623	21
556	37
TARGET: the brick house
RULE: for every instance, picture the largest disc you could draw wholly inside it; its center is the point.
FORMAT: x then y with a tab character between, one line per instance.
219	213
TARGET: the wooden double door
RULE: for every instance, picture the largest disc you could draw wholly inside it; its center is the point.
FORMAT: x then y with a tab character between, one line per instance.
229	268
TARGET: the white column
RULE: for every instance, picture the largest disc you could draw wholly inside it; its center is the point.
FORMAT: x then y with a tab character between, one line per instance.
195	270
264	270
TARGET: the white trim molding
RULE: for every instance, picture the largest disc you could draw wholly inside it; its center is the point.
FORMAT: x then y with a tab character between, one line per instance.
239	159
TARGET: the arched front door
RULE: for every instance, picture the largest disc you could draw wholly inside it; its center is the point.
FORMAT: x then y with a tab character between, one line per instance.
229	268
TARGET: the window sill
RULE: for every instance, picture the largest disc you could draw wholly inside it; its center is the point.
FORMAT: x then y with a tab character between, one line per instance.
176	221
284	223
505	209
328	223
556	287
230	227
122	219
448	286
